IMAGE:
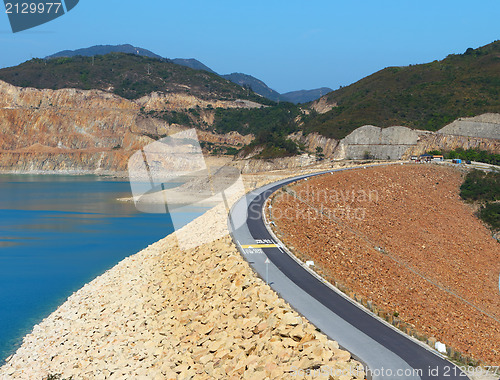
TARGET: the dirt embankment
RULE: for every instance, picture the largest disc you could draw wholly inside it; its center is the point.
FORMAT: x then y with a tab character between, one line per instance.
401	237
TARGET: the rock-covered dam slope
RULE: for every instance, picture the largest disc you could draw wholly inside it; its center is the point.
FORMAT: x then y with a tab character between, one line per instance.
165	313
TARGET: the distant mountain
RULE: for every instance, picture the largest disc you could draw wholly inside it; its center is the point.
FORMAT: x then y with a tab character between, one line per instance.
427	96
305	96
105	49
128	75
259	87
192	63
129	49
255	84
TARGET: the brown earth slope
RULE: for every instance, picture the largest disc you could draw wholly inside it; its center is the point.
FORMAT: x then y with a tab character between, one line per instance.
401	237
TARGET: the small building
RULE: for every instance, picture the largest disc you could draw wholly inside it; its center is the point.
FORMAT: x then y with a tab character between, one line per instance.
426	157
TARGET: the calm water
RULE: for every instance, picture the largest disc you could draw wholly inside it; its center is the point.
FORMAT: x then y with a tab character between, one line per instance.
58	233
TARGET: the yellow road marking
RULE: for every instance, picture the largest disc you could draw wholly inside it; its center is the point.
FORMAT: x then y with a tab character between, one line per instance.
259	246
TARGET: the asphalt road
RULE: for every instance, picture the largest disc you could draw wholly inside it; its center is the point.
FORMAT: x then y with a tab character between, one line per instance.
388	353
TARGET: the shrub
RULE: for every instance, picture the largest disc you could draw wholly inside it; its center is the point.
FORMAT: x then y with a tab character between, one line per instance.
481	186
490	214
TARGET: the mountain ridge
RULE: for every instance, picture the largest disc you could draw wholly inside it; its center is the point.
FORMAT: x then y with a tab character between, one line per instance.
305	96
254	84
192	63
128	75
103	50
244	80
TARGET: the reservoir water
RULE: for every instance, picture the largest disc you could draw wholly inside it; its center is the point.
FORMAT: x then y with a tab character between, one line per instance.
58	233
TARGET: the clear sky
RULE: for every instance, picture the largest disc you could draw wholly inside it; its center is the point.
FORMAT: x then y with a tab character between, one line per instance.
289	44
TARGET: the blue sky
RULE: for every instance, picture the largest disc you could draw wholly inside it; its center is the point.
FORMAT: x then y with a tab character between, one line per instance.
289	44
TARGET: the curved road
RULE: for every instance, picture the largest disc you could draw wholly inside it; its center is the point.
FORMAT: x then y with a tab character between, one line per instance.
388	353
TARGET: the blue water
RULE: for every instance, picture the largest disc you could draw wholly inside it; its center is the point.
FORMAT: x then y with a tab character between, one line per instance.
58	233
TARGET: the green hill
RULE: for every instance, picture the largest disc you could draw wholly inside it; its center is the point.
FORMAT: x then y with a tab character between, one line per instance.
255	84
105	49
128	75
426	96
304	96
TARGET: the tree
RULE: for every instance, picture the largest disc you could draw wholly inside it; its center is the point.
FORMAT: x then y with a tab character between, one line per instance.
319	153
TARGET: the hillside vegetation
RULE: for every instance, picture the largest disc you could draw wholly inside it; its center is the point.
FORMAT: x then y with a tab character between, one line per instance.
426	96
128	75
270	126
278	118
481	186
484	188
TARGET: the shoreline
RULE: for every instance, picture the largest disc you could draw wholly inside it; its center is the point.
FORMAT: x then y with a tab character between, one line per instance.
107	173
136	290
59	234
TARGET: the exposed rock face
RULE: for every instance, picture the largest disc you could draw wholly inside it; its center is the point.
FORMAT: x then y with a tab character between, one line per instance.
255	166
322	105
182	101
382	143
370	135
439	141
315	140
481	132
482	126
40	162
74	131
231	138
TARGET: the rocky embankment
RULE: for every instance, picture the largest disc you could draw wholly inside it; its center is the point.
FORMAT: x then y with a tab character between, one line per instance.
165	313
